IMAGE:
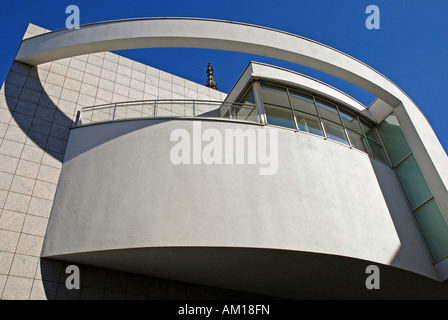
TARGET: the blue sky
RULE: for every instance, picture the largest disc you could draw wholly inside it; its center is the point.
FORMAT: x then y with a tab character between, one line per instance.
410	48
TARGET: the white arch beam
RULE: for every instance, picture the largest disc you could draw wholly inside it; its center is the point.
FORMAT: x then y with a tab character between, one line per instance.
232	36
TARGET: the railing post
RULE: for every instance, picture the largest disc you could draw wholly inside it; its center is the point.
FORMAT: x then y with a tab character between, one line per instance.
115	109
230	110
194	108
155	108
78	118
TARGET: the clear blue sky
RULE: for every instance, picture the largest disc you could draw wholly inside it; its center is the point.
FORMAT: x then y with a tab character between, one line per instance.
410	48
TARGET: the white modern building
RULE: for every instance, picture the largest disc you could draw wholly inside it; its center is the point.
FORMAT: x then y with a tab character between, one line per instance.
158	187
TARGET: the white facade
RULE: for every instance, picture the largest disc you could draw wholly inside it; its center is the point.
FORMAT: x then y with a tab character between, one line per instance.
120	203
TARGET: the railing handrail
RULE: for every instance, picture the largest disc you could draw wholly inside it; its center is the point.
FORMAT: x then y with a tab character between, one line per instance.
218	102
232	110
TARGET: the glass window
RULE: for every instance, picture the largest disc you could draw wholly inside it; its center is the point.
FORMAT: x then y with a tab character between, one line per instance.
249	97
413	182
350	121
279	116
302	102
335	132
328	111
394	139
274	96
248	111
358	141
377	151
370	131
434	229
308	123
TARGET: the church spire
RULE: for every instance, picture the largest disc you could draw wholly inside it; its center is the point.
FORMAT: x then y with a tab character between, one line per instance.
210	78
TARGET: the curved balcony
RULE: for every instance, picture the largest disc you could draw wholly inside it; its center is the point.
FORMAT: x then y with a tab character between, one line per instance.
122	204
172	108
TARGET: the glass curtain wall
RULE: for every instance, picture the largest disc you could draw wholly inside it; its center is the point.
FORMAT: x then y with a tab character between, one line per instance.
292	109
430	219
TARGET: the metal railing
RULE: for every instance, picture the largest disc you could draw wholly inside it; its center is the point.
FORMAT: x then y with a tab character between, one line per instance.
166	108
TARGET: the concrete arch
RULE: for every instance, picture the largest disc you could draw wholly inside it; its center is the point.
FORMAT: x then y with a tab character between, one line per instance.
210	34
240	37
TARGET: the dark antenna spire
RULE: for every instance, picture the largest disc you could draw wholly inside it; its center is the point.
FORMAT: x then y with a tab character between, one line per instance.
211	80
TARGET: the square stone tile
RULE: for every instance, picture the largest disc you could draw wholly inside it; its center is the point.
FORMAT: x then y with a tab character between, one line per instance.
5	262
24	266
40	126
40	207
3	194
5	116
44	113
12	221
27	169
48	174
17	288
15	78
17	202
26	107
3	128
21	121
30	245
11	148
35	225
56	145
29	96
8	240
45	190
55	79
59	69
3	278
53	160
5	180
22	185
32	153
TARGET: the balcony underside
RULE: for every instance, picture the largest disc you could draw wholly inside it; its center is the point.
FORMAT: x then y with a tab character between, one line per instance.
277	273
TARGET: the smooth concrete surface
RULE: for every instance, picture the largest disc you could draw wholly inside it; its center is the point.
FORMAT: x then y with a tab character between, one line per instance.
119	191
233	36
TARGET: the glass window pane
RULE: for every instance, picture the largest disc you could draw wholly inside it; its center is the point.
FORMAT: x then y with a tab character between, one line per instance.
302	102
245	112
434	229
370	131
377	151
350	121
335	132
308	123
248	111
249	97
328	111
413	182
394	139
274	95
279	116
358	141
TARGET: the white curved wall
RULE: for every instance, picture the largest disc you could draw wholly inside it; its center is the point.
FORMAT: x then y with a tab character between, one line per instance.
324	198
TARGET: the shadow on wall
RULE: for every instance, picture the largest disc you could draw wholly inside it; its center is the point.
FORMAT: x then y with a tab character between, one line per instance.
35	112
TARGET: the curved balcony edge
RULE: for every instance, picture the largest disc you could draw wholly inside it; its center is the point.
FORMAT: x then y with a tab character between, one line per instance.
119	188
